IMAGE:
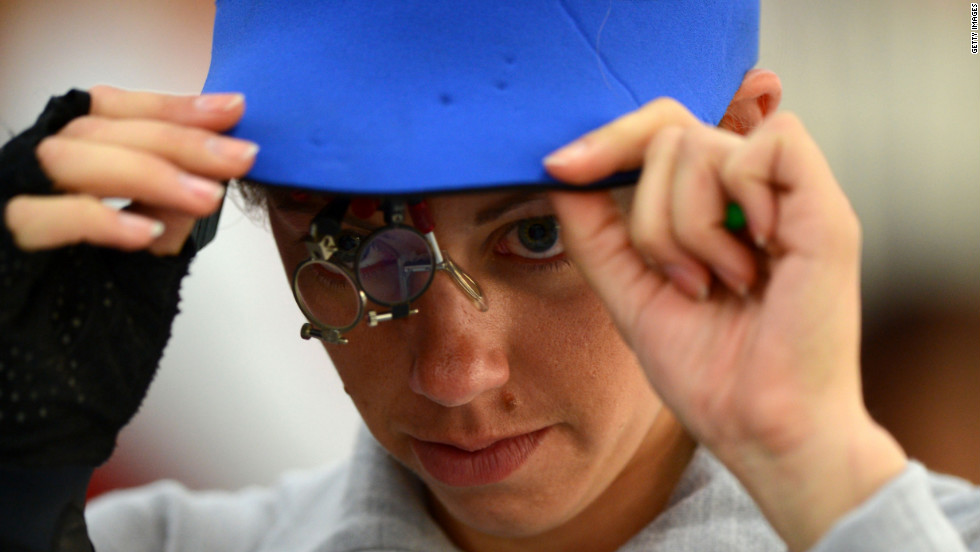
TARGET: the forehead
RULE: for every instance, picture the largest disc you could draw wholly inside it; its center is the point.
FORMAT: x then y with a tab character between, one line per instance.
474	209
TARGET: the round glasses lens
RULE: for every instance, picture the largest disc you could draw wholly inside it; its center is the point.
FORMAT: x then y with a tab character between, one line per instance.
328	294
395	266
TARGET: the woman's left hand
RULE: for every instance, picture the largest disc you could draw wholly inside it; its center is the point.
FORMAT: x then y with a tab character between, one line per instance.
752	342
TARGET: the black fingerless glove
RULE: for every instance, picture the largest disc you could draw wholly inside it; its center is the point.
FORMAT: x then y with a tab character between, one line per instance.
82	328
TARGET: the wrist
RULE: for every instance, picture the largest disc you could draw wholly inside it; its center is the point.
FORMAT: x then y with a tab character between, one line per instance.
804	490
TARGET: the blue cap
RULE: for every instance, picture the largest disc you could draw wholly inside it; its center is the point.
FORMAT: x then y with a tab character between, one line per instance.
412	97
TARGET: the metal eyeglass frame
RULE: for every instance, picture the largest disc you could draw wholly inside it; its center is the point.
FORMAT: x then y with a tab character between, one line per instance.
322	246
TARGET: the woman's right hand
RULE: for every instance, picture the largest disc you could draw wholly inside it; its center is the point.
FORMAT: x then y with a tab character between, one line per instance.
161	151
88	293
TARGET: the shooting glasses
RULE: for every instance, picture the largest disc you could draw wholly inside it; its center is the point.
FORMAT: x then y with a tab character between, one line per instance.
391	267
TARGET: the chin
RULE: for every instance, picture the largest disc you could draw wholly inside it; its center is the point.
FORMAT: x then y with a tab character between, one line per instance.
508	515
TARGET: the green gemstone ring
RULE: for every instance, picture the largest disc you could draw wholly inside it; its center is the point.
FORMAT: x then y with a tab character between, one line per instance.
734	218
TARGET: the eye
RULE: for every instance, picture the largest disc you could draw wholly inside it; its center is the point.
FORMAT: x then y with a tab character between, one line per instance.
533	238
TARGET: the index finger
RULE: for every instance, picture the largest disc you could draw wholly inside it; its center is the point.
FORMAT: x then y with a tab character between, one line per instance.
217	112
597	238
618	146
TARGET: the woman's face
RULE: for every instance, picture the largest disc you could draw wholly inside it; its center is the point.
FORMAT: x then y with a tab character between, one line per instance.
519	418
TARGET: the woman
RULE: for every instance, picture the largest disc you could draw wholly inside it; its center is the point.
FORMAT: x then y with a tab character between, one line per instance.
530	426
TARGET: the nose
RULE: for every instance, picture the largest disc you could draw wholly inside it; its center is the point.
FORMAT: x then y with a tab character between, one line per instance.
458	350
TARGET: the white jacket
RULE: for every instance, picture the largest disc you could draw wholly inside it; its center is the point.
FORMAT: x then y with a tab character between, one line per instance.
371	503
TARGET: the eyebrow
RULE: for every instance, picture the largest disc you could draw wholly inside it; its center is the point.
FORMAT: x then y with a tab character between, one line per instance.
287	204
504	205
486	215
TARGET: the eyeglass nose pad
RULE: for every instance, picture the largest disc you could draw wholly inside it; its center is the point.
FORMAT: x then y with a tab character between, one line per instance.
464	281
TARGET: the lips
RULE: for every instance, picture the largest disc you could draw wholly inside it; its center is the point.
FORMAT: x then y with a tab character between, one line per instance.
459	467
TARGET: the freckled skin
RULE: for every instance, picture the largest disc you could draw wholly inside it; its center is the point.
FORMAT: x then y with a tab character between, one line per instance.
545	354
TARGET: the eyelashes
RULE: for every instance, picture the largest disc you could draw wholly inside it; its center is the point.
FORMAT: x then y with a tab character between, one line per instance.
540	237
533	241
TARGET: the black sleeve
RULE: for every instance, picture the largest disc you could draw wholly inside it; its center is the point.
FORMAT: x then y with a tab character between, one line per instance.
20	172
82	331
43	509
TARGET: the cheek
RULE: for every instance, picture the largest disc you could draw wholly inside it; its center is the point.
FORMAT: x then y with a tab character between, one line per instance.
570	330
288	237
368	373
566	353
372	367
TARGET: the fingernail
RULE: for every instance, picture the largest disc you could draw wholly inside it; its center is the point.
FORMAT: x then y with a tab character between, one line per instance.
687	281
202	187
760	241
567	154
735	283
218	102
141	224
232	149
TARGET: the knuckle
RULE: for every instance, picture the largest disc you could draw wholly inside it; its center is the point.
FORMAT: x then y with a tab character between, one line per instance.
665	139
692	229
105	99
648	235
171	107
666	104
166	135
158	183
694	139
50	151
28	223
85	126
144	161
692	224
735	172
102	90
654	114
90	209
163	172
688	143
17	213
666	110
204	144
202	151
26	242
786	122
96	221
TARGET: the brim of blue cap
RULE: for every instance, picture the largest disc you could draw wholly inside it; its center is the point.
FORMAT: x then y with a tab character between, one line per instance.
379	98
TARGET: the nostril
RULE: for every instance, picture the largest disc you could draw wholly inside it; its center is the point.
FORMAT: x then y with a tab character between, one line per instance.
456	379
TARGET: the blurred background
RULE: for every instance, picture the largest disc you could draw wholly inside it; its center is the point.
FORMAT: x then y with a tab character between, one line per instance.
887	87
